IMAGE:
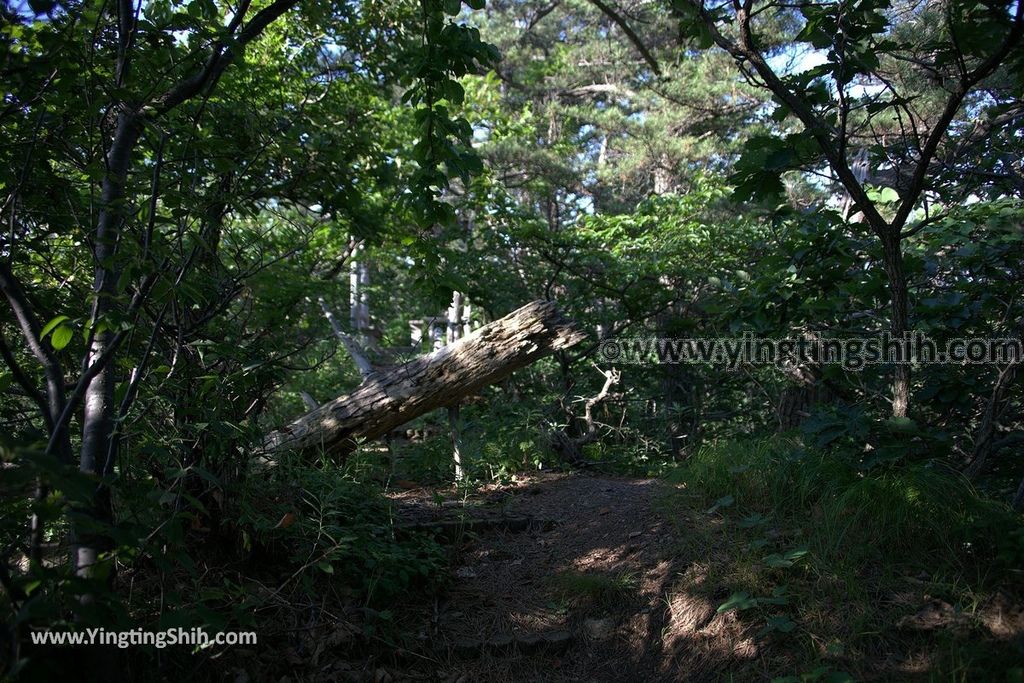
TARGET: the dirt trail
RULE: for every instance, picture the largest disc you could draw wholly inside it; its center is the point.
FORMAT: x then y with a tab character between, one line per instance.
573	577
576	588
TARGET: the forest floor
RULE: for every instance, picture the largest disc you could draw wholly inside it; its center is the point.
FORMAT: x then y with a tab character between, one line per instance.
576	577
573	589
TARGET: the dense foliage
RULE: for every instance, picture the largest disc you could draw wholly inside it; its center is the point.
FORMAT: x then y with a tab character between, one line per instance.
186	186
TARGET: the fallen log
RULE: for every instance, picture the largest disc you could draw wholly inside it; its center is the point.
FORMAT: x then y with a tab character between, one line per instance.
389	398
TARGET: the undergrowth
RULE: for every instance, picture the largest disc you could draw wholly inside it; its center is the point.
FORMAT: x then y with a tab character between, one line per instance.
318	521
298	552
827	560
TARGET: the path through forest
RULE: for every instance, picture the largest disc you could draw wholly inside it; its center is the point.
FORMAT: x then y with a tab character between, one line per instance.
577	577
571	577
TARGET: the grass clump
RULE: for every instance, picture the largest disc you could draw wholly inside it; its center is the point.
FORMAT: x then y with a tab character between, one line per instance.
594	589
920	512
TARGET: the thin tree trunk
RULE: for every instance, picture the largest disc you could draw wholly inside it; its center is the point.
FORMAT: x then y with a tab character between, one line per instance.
453	429
359	300
454	318
351	345
984	439
898	324
98	416
310	402
454	334
53	404
1018	499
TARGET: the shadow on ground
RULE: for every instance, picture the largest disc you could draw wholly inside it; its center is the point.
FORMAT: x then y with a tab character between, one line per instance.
589	591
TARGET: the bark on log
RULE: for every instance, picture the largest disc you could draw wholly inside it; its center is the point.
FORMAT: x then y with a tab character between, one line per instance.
389	398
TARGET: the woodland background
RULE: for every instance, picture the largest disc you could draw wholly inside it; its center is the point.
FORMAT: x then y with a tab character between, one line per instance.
187	187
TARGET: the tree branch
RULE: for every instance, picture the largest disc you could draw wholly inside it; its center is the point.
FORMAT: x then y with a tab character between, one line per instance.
23	379
633	37
931	145
746	51
350	344
224	52
54	373
27	320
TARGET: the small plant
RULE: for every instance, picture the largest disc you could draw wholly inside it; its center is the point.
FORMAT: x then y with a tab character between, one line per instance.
592	589
774	622
329	525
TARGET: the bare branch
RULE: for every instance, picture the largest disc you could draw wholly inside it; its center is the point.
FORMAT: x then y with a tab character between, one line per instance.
350	344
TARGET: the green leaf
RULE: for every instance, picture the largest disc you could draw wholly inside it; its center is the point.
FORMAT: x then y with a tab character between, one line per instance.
453	92
752	520
777	561
752	186
778	597
901	424
52	324
884	195
41	6
781	623
737	601
61	336
839	677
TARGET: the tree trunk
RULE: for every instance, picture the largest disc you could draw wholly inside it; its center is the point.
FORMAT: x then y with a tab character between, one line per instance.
359	298
454	319
351	345
1018	499
898	324
392	397
798	399
454	334
453	430
984	439
98	448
